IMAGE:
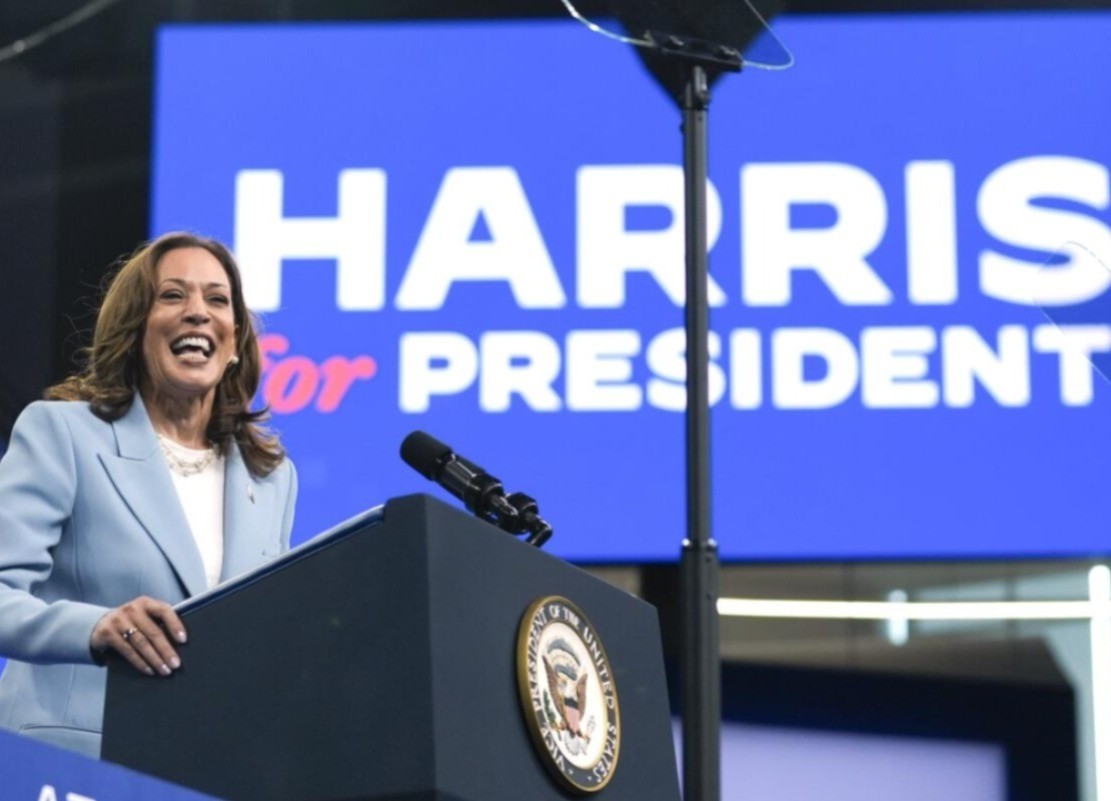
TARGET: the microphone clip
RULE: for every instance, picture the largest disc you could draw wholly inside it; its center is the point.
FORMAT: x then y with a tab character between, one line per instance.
528	520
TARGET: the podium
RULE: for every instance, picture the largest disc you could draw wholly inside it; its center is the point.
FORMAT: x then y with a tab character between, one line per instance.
381	660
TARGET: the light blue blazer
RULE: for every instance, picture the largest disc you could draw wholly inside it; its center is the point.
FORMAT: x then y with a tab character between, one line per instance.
90	519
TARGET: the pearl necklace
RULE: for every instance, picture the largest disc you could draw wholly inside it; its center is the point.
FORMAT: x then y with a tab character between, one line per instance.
182	466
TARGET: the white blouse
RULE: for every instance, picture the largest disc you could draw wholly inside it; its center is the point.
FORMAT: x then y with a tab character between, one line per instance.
202	497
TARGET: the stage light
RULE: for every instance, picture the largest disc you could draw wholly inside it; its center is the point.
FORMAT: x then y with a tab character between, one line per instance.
914	610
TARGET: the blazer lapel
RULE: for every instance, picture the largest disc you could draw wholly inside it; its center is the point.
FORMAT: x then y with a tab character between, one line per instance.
142	478
244	517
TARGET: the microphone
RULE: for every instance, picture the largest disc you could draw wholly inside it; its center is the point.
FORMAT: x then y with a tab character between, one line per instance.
479	491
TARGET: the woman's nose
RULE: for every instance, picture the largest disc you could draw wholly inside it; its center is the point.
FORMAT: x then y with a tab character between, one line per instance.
195	311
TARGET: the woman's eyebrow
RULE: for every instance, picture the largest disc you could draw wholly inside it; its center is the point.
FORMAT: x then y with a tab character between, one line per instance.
183	282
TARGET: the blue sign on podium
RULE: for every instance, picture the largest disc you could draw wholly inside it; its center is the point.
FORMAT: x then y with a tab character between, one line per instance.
36	772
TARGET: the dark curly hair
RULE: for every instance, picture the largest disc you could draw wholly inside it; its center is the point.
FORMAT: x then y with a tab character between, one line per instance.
114	364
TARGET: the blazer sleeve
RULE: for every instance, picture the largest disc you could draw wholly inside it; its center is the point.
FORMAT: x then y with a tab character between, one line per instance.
38	486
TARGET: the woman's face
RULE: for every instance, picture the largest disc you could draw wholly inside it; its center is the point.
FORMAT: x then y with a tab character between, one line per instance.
190	332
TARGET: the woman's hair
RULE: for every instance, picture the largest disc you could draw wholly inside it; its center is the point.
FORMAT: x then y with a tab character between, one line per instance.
114	363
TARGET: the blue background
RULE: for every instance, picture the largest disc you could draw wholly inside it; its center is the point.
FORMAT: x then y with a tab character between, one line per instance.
547	98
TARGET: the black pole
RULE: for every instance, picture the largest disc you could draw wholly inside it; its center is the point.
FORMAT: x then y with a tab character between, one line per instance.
699	568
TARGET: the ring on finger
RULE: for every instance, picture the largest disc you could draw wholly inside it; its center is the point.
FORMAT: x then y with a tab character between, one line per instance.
131	632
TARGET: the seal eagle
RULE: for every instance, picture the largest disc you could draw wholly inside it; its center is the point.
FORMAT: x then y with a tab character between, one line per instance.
569	695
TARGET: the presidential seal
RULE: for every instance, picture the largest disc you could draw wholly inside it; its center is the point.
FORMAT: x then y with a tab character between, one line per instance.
568	694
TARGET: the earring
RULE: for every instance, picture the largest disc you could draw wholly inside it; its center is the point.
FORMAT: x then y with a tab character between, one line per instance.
234	360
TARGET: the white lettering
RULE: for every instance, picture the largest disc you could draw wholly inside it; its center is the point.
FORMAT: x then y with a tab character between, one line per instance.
434	363
521	362
48	793
667	359
607	252
514	252
746	363
599	369
1074	345
895	366
791	347
772	250
355	238
968	359
931	232
1006	209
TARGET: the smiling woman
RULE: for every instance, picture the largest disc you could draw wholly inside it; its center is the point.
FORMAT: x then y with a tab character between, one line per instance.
190	334
145	480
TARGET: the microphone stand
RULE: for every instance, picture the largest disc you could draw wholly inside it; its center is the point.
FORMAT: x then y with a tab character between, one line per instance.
699	567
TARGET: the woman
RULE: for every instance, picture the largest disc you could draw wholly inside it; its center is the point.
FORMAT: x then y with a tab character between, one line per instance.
144	480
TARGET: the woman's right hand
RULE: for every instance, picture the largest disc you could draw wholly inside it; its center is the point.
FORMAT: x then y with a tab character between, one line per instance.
140	632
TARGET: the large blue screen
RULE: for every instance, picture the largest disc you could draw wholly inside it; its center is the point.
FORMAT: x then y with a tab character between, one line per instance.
476	230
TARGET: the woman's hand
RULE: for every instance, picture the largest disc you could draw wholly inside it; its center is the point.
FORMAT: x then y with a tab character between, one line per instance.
140	632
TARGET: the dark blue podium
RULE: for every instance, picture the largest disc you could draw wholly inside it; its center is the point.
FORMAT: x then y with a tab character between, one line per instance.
380	661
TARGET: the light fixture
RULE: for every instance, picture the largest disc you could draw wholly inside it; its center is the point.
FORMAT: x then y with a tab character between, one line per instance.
897	611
